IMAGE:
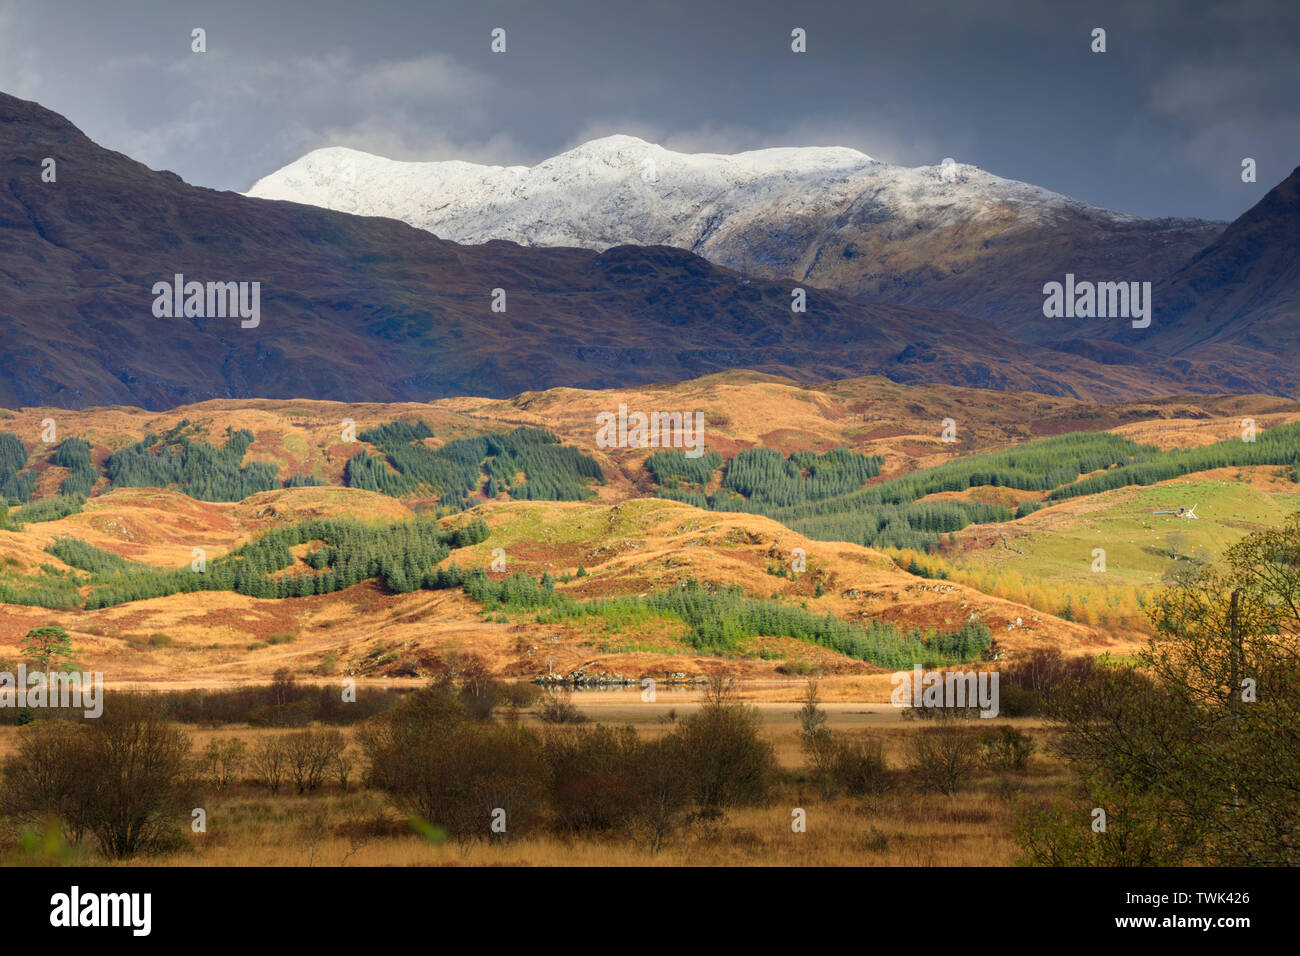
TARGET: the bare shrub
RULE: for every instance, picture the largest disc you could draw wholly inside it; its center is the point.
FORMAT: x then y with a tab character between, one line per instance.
42	779
270	761
855	766
591	770
310	754
858	766
663	795
342	767
520	694
942	758
284	703
818	740
223	760
455	773
723	756
557	707
121	778
480	692
1026	682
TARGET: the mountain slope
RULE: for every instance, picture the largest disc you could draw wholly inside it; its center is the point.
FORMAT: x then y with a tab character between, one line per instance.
741	409
948	236
369	309
1240	297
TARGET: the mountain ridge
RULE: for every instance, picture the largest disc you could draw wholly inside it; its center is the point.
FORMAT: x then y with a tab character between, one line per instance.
371	309
933	236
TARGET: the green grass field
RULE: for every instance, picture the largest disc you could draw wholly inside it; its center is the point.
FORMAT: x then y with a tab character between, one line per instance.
1140	547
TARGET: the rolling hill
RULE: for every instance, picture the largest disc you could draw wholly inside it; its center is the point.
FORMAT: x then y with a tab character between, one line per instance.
873	416
626	542
626	549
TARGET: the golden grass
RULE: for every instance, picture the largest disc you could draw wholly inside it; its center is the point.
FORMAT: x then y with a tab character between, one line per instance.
626	548
625	544
247	826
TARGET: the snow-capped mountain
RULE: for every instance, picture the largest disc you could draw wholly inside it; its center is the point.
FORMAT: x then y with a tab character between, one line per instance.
941	236
621	189
371	309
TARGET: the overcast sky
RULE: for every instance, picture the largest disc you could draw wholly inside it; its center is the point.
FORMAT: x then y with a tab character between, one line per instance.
1158	125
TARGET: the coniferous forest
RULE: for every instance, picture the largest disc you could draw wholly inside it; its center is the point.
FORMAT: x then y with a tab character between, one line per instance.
720	619
404	557
1279	445
829	497
13	458
527	463
180	460
74	454
341	553
838	495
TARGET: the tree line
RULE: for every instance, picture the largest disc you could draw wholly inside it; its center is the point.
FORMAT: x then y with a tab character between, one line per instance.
456	471
74	454
179	460
344	553
402	556
1279	445
720	619
769	479
916	526
45	509
14	487
760	479
668	468
826	497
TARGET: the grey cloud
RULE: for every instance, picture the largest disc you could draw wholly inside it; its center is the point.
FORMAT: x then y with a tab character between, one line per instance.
1149	127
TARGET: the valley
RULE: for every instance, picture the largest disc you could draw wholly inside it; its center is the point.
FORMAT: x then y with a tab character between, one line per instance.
645	506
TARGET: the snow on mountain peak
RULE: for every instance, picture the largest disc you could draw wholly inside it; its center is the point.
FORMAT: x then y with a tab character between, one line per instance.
621	189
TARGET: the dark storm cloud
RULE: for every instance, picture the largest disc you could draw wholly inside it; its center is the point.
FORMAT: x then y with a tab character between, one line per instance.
1157	125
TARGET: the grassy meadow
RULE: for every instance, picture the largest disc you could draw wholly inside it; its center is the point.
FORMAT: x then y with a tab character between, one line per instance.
248	826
